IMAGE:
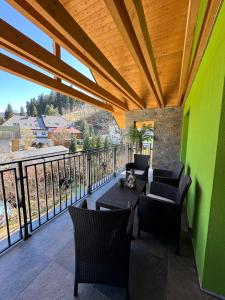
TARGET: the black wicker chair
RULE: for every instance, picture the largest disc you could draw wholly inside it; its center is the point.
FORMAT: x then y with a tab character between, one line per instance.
102	246
140	166
160	211
169	176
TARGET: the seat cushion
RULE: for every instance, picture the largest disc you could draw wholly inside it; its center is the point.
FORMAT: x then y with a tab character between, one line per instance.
137	172
159	198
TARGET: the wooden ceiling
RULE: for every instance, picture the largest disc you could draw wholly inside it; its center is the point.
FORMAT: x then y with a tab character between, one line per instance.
138	50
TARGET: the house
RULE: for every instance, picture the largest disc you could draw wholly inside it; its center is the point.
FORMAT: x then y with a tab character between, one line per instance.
39	126
63	135
52	122
27	125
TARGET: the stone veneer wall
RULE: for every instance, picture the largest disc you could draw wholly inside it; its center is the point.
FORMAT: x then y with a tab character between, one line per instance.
167	130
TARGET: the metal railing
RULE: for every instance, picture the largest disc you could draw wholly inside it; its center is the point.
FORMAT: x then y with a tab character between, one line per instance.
34	191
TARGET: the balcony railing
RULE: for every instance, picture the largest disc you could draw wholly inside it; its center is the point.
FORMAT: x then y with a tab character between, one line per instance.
34	191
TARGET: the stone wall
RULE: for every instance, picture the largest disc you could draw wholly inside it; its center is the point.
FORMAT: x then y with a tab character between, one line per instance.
167	131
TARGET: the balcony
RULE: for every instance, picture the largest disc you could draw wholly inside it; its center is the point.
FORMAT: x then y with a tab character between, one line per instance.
42	266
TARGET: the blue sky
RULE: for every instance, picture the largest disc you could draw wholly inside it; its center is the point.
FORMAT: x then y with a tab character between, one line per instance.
16	90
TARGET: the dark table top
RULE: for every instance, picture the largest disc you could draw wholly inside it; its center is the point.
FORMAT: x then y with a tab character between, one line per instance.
118	197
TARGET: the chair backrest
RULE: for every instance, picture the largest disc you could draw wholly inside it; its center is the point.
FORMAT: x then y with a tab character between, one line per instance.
185	183
100	235
179	167
141	161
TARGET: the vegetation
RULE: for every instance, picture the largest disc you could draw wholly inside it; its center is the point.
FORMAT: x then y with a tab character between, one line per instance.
50	110
138	136
22	111
9	112
51	104
73	145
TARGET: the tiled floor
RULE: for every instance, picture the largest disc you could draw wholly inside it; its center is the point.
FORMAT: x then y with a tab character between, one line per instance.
43	267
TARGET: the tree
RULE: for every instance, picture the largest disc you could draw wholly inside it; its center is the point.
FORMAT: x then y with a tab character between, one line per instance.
9	112
51	111
106	142
84	127
73	145
98	141
93	142
138	136
22	111
33	109
87	142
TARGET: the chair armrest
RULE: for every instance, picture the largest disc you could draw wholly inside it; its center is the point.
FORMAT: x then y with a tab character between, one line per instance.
130	166
148	207
167	180
162	173
163	190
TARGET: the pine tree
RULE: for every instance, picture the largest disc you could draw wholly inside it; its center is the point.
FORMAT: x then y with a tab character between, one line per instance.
93	142
9	112
22	111
98	141
73	145
106	142
87	142
33	110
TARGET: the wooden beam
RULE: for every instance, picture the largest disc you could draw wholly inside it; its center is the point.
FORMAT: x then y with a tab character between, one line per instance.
211	14
19	44
192	17
120	118
53	18
130	20
57	53
12	66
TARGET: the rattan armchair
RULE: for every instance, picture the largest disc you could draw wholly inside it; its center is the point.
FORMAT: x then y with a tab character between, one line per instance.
140	166
102	246
160	211
171	177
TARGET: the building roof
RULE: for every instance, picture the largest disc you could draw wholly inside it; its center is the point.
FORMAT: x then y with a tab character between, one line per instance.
34	153
69	130
37	123
26	122
54	121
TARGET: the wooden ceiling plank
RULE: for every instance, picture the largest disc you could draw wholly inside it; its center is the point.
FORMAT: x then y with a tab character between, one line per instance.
192	17
211	14
14	67
137	17
121	17
54	19
21	45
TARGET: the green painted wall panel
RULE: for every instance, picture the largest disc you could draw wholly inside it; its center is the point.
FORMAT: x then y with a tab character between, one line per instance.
203	154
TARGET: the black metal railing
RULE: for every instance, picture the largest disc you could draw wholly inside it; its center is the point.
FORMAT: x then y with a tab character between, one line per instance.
34	191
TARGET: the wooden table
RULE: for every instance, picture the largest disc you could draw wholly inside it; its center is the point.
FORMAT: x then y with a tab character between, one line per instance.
118	197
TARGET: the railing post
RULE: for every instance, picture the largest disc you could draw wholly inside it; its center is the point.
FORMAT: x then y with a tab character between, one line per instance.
23	201
89	172
114	161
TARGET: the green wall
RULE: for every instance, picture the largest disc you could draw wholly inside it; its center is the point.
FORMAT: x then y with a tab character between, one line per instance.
203	151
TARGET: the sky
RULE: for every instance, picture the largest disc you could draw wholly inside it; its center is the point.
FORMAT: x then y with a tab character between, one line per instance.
16	90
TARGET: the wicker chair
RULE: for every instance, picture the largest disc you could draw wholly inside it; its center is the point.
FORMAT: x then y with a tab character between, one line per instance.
102	246
168	176
160	211
140	166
